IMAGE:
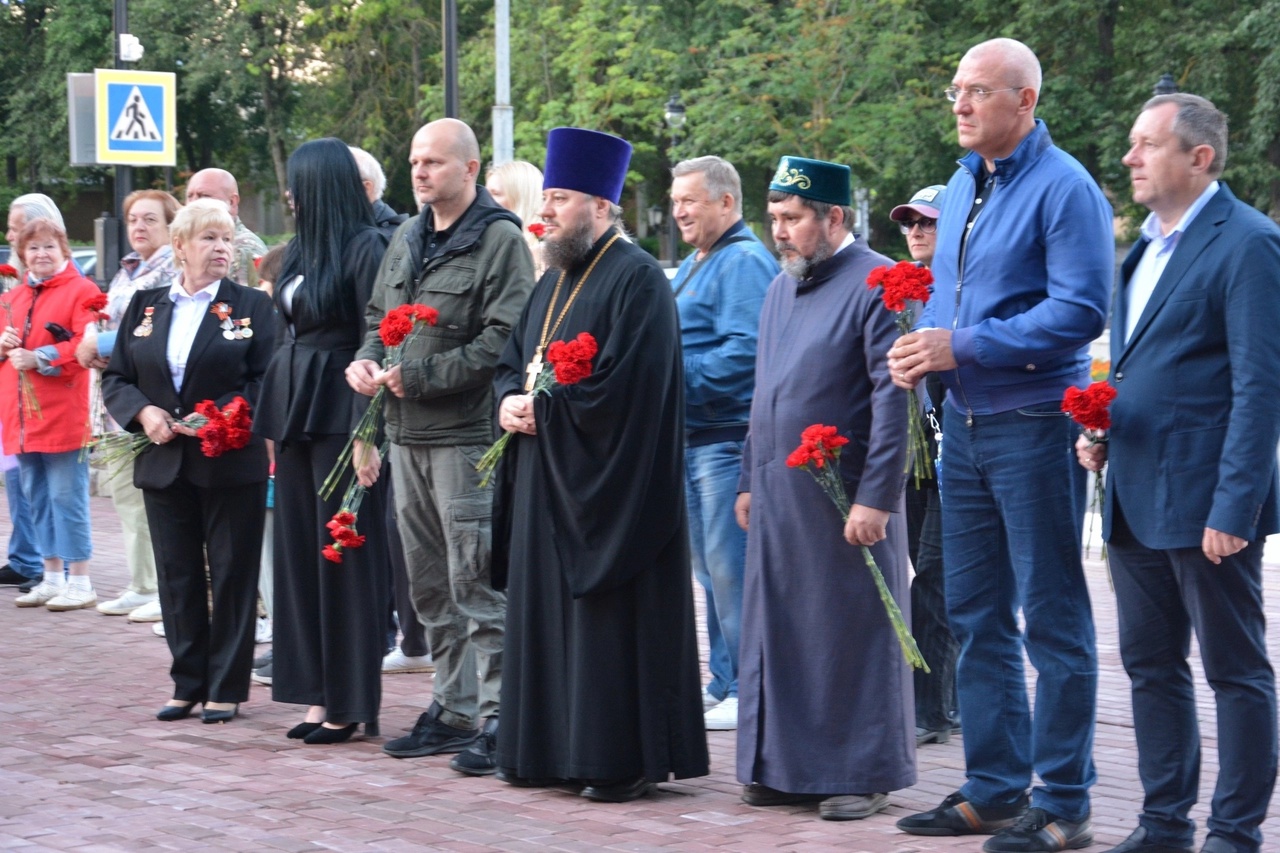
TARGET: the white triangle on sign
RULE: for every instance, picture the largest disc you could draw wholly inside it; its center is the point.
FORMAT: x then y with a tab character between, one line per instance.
135	122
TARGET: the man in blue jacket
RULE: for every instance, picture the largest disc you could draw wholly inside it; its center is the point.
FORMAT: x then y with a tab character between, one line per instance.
1023	271
719	290
1192	483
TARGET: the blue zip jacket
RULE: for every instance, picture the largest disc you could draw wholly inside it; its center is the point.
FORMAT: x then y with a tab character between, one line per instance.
1031	289
719	323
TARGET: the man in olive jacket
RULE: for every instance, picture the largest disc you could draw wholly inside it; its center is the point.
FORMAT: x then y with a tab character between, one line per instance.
463	256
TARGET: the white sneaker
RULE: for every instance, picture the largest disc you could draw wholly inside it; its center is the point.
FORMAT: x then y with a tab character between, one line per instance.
158	629
39	595
398	661
149	612
708	701
262	631
126	603
723	717
73	598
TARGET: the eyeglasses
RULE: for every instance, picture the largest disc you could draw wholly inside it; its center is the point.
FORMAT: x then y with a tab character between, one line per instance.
928	226
977	94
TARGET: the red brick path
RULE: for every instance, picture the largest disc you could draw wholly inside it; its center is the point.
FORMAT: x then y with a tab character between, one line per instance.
85	767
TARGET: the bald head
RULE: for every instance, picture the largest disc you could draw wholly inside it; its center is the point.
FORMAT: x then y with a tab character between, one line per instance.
215	183
452	135
444	160
1014	62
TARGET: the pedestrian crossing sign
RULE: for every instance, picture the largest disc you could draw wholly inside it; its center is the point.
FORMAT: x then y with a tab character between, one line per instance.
136	120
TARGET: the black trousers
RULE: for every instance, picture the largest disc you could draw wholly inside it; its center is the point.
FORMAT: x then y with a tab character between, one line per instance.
935	690
329	617
212	646
400	612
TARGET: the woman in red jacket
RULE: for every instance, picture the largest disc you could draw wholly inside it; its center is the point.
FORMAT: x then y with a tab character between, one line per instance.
45	409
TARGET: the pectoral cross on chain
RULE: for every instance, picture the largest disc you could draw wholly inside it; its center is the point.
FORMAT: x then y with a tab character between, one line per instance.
532	370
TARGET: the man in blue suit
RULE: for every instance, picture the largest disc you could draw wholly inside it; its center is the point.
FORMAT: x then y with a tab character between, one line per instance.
1191	493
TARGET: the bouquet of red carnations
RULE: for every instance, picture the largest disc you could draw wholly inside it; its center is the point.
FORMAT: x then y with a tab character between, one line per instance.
1091	408
342	527
571	361
902	284
219	430
398	326
819	453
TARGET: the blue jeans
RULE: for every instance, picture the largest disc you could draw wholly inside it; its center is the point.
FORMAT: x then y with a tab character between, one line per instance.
57	488
1013	499
24	555
719	549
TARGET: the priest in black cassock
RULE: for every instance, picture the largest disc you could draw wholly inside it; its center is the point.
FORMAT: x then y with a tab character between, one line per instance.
601	687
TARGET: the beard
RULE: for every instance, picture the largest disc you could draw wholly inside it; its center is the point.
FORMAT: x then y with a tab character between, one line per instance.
570	247
800	267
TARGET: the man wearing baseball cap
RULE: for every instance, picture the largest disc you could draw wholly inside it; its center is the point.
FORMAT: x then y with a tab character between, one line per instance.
825	709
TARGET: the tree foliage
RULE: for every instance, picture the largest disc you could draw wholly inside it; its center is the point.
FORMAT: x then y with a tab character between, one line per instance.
857	81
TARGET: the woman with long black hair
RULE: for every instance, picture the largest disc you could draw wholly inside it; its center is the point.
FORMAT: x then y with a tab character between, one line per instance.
329	639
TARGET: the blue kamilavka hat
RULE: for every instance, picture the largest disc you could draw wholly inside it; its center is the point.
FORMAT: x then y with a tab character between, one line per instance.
587	161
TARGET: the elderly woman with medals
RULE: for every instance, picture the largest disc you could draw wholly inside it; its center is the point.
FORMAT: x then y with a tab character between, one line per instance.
204	338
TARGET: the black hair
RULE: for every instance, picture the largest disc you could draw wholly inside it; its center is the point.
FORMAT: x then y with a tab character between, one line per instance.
329	208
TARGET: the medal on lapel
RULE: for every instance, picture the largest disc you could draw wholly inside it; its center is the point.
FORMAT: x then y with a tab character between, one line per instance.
223	312
244	331
144	329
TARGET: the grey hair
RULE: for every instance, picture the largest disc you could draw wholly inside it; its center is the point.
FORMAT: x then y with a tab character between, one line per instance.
370	170
38	206
1198	122
820	208
720	176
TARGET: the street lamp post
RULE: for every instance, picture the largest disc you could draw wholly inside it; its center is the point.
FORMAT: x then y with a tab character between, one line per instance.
1166	85
674	114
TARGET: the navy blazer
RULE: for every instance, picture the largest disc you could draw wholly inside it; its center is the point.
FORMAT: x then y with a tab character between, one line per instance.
1196	419
217	369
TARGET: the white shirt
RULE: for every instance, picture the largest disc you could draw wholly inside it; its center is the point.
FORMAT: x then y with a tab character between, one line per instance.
188	313
1156	257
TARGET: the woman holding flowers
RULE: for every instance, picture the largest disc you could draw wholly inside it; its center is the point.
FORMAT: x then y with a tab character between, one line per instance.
46	403
204	338
329	617
147	215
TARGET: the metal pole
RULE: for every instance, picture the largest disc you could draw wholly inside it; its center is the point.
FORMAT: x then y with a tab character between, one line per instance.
450	15
503	118
124	174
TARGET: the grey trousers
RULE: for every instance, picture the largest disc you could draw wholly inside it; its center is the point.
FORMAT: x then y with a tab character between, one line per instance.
444	518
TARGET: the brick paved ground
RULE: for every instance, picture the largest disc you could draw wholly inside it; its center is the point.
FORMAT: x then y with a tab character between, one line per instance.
84	766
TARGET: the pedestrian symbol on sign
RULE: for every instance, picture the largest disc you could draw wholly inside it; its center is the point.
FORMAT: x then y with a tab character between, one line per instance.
135	122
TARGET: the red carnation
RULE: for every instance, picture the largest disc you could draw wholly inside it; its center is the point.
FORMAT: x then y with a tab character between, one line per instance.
8	271
1091	407
537	229
332	554
426	314
572	359
345	518
395	327
902	283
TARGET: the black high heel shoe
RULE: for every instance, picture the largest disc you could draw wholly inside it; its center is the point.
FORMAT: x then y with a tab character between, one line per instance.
227	716
324	735
172	713
301	730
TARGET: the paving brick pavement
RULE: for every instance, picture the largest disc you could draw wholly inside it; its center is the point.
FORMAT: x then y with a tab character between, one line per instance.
85	767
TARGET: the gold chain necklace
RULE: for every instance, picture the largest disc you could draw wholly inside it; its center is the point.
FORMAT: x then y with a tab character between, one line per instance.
535	366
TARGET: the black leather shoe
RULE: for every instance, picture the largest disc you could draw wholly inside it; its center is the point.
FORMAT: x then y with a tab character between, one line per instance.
478	759
301	730
756	794
321	734
1140	842
528	781
172	713
618	792
210	716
